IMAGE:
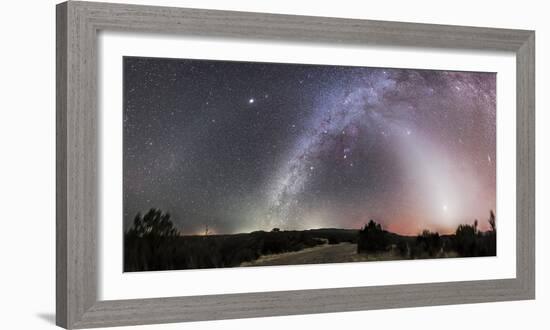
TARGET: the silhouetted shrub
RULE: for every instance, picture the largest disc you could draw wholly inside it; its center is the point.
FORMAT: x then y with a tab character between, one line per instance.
465	240
429	242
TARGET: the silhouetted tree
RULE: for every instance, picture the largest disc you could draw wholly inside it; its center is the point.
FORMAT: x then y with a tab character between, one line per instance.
469	241
148	243
372	238
492	221
153	224
490	237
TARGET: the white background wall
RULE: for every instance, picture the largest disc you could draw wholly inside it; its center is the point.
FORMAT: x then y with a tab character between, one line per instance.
27	163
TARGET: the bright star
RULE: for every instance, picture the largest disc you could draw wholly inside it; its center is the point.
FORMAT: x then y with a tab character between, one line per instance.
250	101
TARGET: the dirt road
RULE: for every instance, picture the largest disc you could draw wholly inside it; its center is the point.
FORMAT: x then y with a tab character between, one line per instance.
343	252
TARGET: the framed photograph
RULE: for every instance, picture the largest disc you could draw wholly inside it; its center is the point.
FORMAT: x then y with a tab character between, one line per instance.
217	165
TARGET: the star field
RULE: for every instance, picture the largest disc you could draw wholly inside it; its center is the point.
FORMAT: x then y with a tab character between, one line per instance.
242	146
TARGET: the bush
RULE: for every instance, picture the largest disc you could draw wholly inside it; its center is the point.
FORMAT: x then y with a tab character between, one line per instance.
403	248
465	240
430	242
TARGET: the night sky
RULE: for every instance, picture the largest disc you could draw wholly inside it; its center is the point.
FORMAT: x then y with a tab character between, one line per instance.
243	146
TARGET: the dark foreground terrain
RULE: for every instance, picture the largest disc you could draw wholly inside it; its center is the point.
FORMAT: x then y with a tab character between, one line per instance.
214	251
153	244
342	252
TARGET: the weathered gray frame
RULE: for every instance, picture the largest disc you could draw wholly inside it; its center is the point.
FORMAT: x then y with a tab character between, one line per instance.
77	154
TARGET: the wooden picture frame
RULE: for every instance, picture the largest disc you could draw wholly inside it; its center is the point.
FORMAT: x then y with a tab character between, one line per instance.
77	159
